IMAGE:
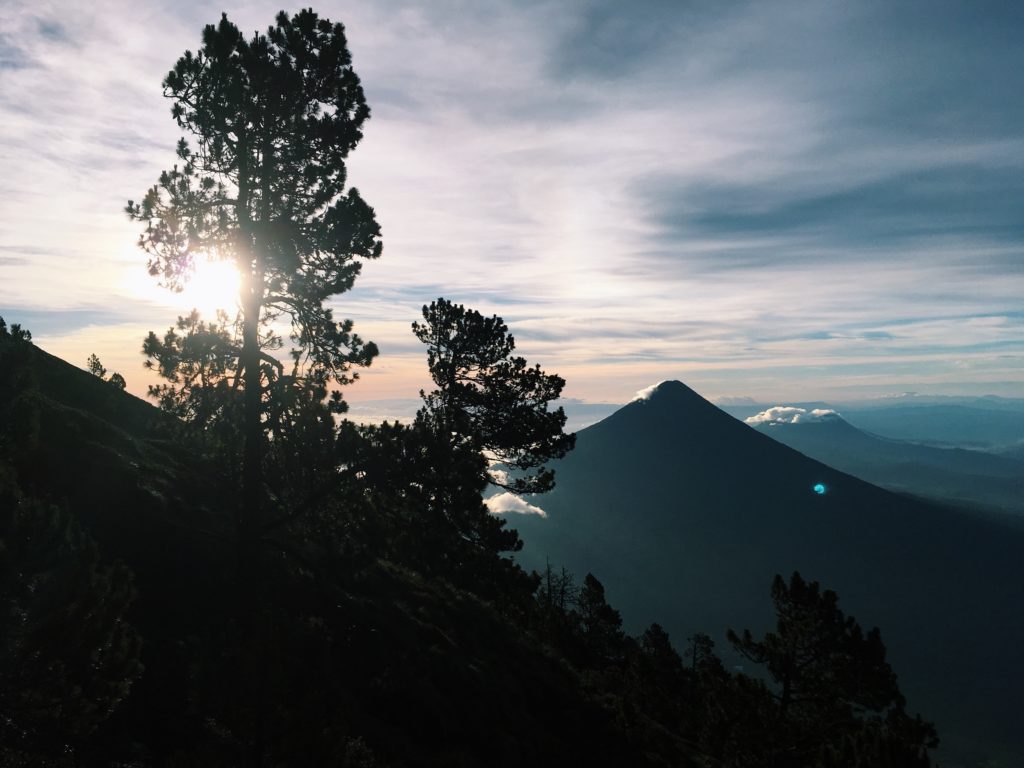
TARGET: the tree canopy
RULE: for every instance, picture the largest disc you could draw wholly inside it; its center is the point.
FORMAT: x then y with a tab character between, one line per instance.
489	400
835	693
269	121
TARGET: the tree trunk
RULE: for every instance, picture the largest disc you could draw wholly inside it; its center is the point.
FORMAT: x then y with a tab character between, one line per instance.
250	267
252	454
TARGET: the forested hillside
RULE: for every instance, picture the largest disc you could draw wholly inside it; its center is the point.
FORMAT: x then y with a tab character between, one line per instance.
362	632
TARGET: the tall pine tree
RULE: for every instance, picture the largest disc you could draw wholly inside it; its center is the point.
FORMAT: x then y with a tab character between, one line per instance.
269	122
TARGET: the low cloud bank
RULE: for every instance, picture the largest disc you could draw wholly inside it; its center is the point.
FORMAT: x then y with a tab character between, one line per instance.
509	504
788	414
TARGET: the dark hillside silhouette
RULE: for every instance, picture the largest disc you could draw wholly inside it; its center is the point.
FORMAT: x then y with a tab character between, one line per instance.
351	653
362	652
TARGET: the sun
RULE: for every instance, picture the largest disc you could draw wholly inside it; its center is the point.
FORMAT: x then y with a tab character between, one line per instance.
213	285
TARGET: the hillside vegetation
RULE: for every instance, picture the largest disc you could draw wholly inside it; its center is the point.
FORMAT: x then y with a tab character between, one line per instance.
142	637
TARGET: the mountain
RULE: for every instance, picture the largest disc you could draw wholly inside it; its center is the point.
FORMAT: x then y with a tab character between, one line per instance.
1014	452
950	474
962	425
985	423
687	513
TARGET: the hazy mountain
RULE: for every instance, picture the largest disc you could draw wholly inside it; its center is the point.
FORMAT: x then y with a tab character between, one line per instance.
1014	452
942	424
973	477
687	513
984	402
988	423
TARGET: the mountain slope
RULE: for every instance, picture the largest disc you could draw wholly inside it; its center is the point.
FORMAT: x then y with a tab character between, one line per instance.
365	664
951	474
687	513
943	424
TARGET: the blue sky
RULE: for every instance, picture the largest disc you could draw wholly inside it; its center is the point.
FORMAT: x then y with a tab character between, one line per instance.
784	200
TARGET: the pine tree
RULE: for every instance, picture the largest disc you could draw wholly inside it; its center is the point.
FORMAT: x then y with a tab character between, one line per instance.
818	656
489	407
198	360
601	625
270	120
833	685
95	367
488	400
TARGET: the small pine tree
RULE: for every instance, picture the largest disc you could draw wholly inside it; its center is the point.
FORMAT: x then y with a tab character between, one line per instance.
95	367
488	400
833	685
601	625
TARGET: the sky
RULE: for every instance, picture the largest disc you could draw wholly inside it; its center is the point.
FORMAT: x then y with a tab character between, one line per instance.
778	200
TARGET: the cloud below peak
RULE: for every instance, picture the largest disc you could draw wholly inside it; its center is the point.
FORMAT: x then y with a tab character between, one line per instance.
788	414
509	504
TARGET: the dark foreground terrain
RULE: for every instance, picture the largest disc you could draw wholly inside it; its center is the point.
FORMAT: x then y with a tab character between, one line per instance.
137	632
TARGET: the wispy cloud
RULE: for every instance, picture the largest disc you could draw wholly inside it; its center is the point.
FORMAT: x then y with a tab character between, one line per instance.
796	200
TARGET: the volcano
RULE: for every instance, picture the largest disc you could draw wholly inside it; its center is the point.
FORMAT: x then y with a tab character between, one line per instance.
686	514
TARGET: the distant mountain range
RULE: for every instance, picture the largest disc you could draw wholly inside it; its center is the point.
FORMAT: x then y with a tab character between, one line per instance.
947	474
686	513
959	425
987	423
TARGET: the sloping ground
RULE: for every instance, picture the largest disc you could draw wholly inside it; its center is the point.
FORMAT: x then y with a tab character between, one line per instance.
127	471
366	666
969	426
943	474
686	514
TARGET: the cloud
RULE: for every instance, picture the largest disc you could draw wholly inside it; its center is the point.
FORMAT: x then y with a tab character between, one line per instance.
44	322
793	200
498	475
508	503
647	392
788	414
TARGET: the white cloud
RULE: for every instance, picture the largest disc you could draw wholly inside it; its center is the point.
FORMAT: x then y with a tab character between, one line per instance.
647	392
788	414
508	503
498	475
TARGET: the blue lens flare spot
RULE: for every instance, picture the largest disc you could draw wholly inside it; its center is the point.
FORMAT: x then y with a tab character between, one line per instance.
820	489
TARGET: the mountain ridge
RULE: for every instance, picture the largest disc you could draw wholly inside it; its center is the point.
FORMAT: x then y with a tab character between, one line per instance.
953	474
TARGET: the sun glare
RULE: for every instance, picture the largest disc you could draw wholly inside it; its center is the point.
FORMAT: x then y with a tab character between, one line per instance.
213	286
